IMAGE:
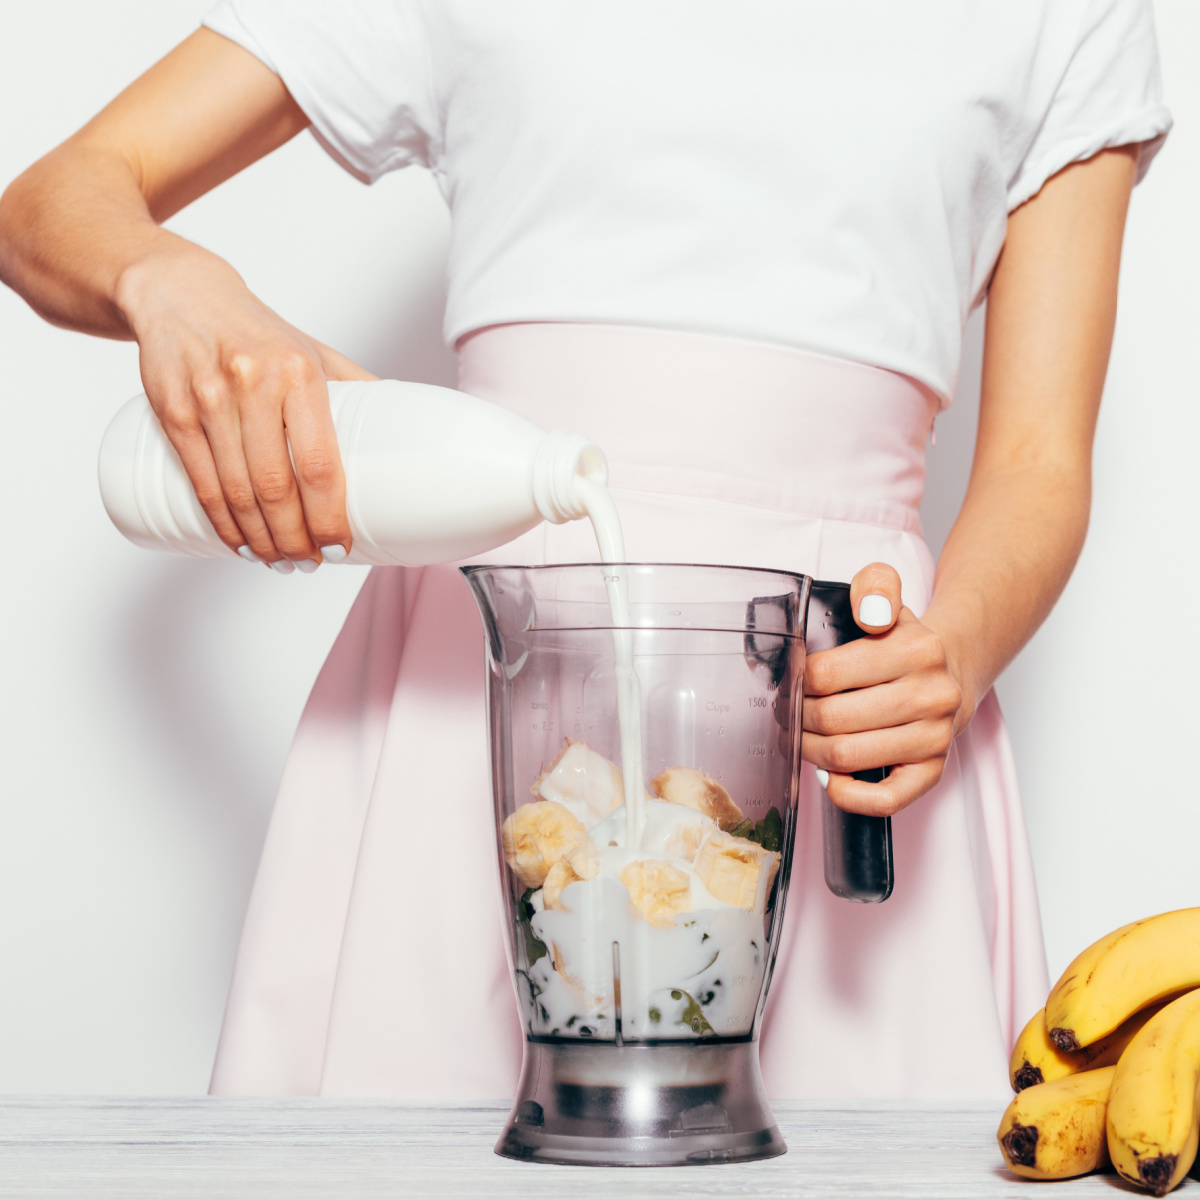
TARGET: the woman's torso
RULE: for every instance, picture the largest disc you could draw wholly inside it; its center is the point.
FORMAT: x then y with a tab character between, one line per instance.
833	178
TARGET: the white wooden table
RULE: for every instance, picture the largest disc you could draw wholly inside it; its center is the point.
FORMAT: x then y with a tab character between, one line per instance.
229	1149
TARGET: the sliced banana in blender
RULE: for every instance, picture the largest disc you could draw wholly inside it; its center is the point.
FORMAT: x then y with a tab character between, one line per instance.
657	890
686	838
736	871
582	862
583	781
694	789
537	836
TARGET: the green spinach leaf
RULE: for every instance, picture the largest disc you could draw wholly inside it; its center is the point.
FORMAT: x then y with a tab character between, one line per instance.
692	1016
768	833
533	946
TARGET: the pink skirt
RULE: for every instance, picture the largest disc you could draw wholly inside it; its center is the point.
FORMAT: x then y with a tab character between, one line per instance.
372	960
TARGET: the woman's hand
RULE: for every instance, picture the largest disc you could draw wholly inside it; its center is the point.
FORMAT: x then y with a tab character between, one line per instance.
236	388
892	699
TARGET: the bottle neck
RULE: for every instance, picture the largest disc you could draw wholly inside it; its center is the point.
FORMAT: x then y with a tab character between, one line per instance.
561	458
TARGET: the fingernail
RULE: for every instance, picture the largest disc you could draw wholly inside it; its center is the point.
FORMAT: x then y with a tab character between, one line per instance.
307	565
334	554
248	554
875	610
283	566
823	778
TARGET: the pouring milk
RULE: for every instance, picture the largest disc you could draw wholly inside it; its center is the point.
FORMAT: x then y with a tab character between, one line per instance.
663	893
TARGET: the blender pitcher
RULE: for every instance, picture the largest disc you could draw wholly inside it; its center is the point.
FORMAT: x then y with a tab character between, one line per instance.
643	902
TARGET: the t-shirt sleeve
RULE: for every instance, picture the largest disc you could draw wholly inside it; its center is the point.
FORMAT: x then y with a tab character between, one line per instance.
358	68
1108	93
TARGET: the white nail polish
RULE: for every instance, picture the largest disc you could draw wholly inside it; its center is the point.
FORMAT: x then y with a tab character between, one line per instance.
875	610
307	565
283	566
823	778
248	554
333	554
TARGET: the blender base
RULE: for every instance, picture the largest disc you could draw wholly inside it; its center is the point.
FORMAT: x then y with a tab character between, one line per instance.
639	1105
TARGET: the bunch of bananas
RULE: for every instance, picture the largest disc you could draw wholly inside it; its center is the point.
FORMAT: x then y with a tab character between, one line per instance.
1109	1071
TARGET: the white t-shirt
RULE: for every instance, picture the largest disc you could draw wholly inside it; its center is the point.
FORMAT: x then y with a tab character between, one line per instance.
834	176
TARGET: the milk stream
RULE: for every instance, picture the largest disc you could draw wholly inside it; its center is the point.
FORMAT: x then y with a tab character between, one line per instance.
606	524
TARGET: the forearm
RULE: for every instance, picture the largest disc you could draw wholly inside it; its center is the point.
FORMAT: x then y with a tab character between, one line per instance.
1051	311
77	228
74	230
1004	565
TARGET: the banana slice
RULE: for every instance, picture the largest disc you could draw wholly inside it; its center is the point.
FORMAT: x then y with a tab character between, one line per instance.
736	871
580	776
537	836
694	789
657	890
581	862
685	839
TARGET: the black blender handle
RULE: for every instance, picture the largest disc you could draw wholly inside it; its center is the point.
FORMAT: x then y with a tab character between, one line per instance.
858	849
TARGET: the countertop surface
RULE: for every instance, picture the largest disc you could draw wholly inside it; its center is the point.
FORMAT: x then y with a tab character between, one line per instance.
228	1149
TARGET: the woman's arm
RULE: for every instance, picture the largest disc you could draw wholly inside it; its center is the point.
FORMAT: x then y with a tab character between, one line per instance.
80	240
1051	310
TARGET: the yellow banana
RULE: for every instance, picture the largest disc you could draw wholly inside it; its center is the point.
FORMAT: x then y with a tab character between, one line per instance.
735	870
657	891
1122	973
1154	1109
1036	1059
694	789
1056	1130
582	781
580	863
538	835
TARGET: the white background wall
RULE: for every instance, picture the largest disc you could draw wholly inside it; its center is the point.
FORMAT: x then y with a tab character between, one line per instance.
146	703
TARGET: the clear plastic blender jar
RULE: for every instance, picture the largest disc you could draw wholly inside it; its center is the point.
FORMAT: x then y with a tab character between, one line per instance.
643	924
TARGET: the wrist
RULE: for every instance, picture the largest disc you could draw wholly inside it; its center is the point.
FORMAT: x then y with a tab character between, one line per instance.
962	665
144	283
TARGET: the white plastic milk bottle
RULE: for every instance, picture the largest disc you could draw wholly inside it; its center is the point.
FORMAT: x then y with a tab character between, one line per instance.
432	475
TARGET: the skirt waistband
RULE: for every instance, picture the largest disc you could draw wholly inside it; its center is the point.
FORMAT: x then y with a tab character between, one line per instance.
738	421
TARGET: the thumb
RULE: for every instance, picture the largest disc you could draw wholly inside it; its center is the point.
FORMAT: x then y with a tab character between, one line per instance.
875	597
